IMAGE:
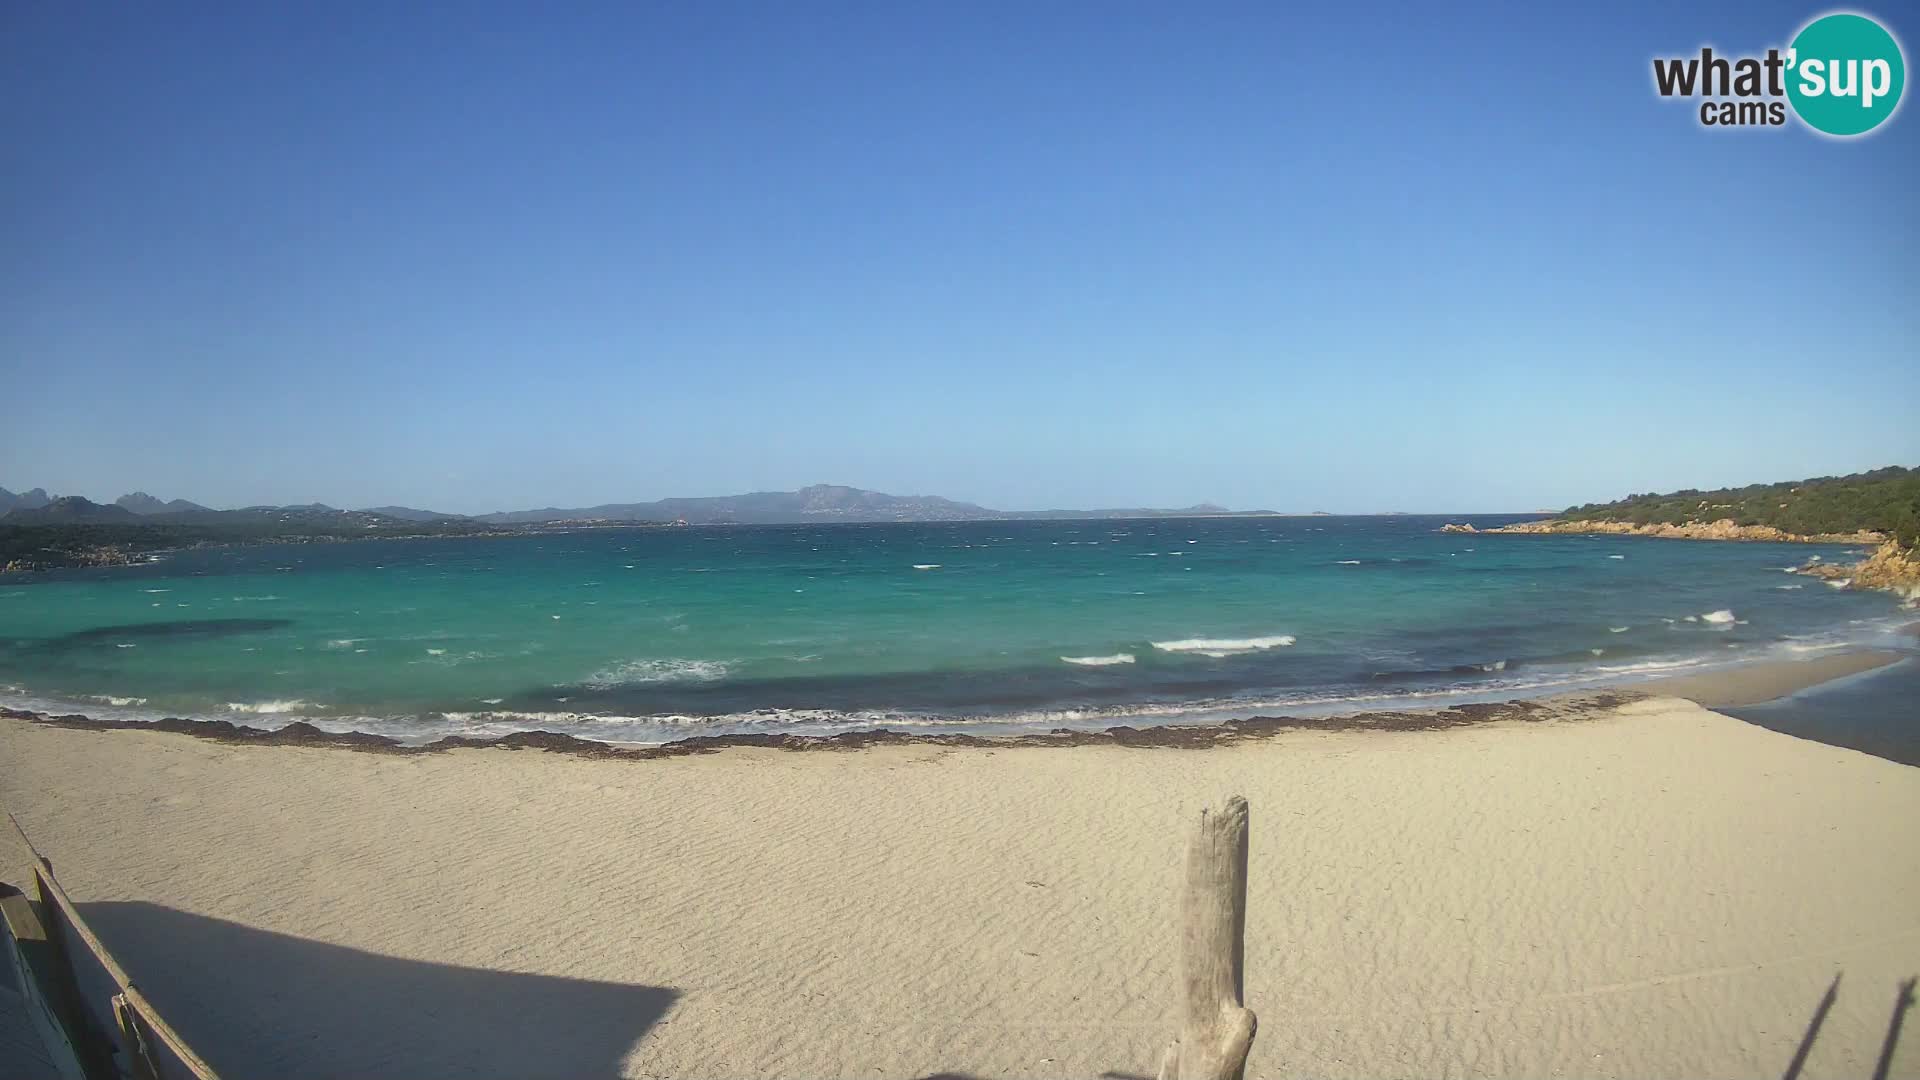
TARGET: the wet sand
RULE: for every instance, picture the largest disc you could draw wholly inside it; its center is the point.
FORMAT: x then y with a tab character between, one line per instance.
1755	683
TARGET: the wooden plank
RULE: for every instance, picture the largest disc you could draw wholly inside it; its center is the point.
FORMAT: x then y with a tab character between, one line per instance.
1217	1030
53	999
61	915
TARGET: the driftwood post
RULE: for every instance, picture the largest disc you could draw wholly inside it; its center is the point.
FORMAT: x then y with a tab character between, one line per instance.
1216	1027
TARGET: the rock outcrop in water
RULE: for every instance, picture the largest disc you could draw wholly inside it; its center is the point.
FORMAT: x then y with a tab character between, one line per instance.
1890	567
1723	529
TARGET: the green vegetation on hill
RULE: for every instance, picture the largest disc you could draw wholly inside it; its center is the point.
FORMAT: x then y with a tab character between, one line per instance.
1884	500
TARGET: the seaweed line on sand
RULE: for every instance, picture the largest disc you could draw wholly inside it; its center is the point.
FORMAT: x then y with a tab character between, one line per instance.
1181	737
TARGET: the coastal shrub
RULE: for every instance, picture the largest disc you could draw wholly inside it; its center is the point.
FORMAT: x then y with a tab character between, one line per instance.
1884	500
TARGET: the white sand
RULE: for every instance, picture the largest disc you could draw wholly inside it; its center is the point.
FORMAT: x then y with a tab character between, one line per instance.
1660	891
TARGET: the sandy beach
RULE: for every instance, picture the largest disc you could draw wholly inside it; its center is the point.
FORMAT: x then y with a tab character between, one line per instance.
1649	889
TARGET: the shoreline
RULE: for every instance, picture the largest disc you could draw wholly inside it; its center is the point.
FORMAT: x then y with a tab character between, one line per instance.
1737	685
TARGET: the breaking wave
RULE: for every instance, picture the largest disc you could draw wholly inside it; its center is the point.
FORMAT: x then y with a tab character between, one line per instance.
1222	647
268	708
1100	661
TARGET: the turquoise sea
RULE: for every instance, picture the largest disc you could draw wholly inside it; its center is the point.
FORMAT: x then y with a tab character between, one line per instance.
642	635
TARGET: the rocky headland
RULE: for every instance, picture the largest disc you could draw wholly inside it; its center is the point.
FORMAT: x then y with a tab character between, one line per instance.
1891	567
1723	529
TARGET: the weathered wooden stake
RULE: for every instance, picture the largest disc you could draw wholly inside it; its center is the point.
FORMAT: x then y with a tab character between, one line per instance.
1217	1029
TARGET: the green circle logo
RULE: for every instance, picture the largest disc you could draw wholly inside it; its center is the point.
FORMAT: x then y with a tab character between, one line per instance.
1845	74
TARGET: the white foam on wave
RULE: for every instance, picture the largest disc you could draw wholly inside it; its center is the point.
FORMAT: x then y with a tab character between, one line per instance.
344	643
1618	629
1722	617
1645	666
114	700
126	645
1616	556
436	652
1789	586
156	591
1349	562
650	670
926	566
268	708
1224	647
1100	661
1841	584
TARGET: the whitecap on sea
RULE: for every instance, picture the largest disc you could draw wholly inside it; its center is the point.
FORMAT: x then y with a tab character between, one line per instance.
647	671
1100	661
1223	647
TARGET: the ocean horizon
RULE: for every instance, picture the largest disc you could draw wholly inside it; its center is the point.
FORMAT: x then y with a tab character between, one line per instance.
649	635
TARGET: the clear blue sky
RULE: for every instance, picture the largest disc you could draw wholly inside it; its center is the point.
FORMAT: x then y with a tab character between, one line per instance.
473	257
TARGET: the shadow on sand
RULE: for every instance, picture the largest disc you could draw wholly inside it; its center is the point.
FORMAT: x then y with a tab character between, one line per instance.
1902	1001
257	1003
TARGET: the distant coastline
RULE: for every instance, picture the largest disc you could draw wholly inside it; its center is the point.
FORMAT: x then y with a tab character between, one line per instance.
72	532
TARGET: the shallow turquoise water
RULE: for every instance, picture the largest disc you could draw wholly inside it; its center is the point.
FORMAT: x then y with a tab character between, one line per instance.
657	633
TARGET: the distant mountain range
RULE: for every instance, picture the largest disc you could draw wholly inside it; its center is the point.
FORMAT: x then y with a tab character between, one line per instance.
142	503
818	503
26	500
77	510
